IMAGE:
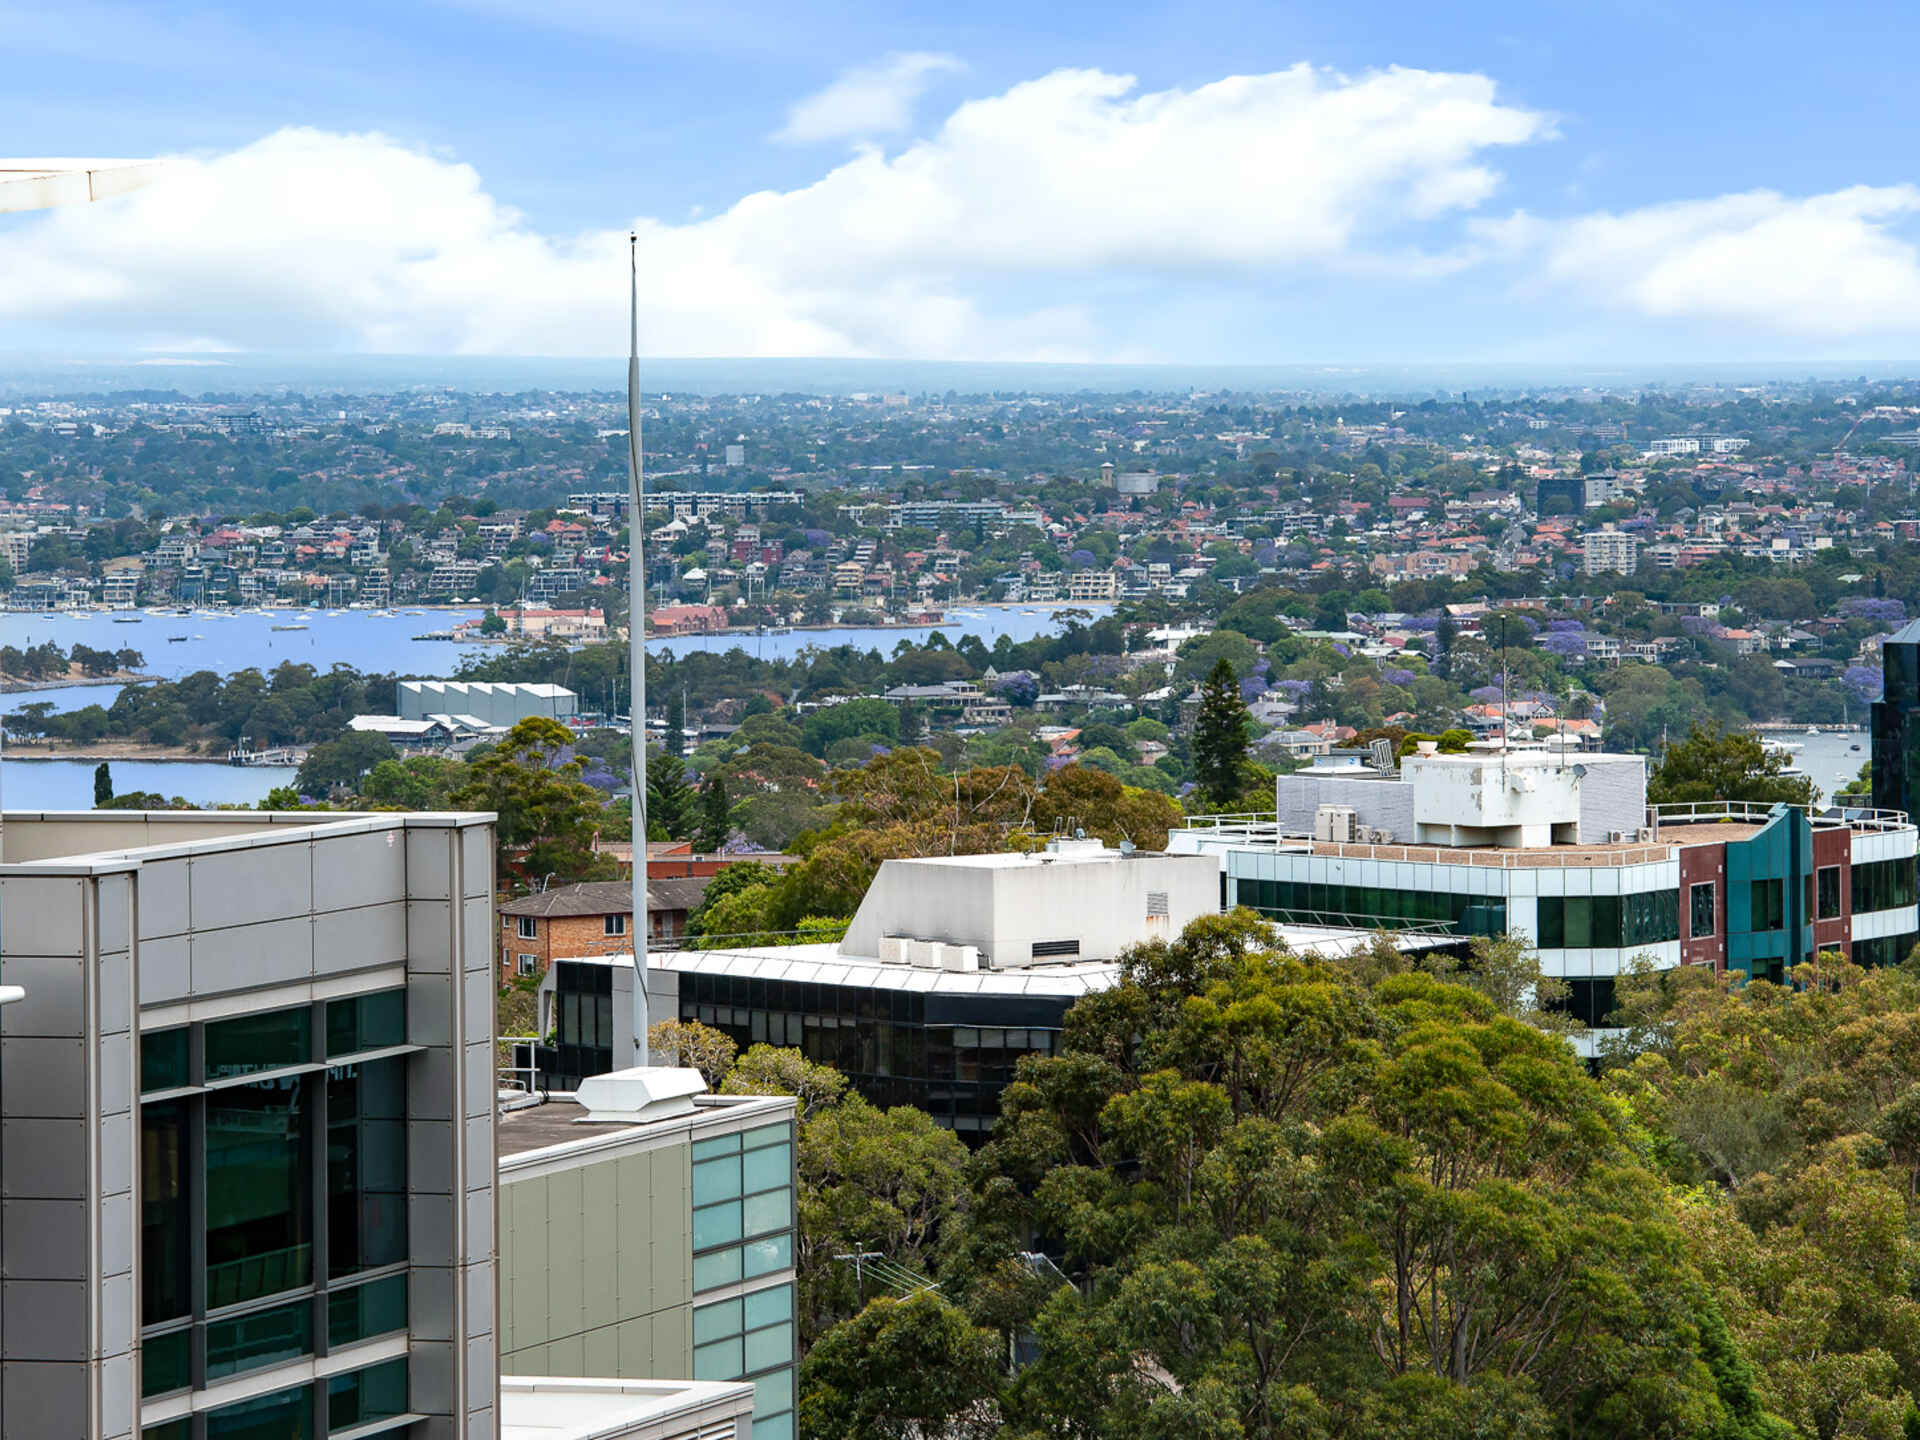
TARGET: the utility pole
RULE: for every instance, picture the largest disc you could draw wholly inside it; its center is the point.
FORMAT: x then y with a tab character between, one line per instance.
859	1259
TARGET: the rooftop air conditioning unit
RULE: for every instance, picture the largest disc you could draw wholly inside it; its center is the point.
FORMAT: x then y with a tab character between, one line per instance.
1619	837
1644	834
893	950
1337	824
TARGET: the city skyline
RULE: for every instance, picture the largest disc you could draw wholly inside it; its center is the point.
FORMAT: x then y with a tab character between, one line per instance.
1230	186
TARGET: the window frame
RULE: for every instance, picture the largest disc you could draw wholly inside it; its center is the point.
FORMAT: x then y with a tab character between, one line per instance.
526	927
614	926
1712	887
1820	878
525	964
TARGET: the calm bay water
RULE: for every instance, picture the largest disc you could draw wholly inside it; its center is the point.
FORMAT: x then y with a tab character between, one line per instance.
68	784
177	645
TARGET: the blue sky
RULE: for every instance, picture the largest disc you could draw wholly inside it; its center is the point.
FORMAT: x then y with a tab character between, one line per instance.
1477	181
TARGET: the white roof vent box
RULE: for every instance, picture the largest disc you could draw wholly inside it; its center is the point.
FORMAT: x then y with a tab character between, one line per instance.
646	1093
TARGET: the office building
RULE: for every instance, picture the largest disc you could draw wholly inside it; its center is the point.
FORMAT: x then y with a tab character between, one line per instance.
647	1229
246	1126
1896	723
952	969
1560	494
1564	850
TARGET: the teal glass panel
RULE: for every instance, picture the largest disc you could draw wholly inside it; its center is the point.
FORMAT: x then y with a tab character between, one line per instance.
716	1180
771	1211
715	1322
181	1429
718	1145
163	1060
264	1337
718	1361
259	1191
763	1257
767	1135
722	1267
773	1392
773	1346
366	1022
283	1415
366	1166
249	1043
166	1363
377	1393
764	1169
165	1246
775	1427
768	1307
377	1308
716	1225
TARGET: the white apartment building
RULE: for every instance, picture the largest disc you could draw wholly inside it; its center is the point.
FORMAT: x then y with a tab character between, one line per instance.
1608	549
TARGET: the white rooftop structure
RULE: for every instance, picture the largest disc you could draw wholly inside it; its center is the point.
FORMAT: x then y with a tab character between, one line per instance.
484	703
44	184
1076	900
538	1408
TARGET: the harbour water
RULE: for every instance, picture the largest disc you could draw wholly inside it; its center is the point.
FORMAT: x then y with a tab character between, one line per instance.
68	784
371	641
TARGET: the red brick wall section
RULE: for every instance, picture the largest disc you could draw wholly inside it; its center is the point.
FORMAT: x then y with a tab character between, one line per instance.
1833	846
566	936
1699	865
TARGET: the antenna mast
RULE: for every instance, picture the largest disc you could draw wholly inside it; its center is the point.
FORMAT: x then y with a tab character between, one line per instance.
637	649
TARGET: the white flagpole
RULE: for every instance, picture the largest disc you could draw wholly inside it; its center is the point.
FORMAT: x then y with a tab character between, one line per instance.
637	650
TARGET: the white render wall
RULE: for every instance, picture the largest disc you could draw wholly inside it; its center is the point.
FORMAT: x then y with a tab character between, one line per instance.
1005	908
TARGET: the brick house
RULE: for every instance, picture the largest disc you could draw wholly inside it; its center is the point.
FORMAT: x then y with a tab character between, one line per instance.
594	918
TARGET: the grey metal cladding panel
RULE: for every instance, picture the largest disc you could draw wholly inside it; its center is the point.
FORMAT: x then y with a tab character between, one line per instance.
354	939
39	1401
43	1159
54	1005
429	936
44	1319
480	921
244	887
41	915
430	1157
480	992
44	1079
166	970
117	1087
359	870
163	898
476	851
430	1229
44	1239
429	863
429	1009
247	957
116	992
482	1168
116	910
118	1231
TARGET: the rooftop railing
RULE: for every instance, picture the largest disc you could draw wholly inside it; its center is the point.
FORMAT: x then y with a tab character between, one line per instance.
1756	812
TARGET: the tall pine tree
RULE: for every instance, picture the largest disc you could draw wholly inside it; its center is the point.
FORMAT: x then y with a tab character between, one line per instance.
669	797
1220	735
677	723
711	835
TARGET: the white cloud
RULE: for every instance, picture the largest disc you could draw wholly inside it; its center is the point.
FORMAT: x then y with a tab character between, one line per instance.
868	100
1822	267
1067	186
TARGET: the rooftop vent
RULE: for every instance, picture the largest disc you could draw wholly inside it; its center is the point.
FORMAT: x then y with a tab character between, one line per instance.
647	1093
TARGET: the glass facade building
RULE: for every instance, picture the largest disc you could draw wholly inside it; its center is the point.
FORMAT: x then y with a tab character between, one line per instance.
1895	723
248	1126
274	1201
